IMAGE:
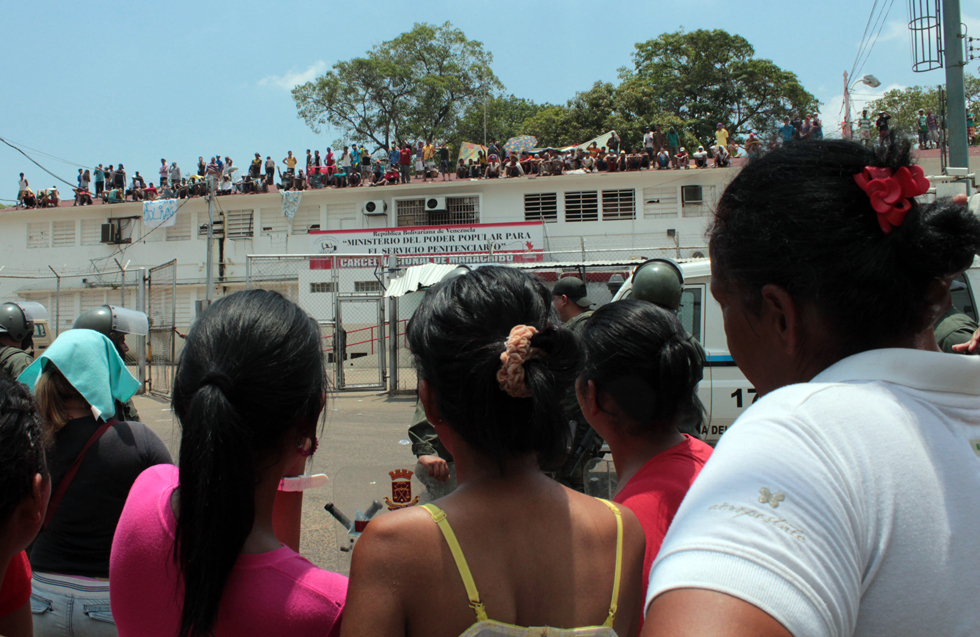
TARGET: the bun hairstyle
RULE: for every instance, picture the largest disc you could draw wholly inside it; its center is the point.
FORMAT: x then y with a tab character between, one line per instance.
251	373
797	218
21	446
640	355
457	336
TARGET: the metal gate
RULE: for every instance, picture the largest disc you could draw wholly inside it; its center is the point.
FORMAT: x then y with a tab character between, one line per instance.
161	350
359	342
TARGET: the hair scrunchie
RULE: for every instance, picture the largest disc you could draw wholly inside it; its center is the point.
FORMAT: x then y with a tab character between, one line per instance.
519	350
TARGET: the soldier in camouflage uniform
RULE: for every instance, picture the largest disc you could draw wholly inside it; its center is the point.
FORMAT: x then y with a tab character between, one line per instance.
570	301
953	328
435	469
114	323
17	334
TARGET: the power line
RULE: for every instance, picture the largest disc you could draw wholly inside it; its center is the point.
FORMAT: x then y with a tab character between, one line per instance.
873	42
49	155
863	39
70	185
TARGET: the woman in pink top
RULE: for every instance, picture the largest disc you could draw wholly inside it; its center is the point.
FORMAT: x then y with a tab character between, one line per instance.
196	551
639	381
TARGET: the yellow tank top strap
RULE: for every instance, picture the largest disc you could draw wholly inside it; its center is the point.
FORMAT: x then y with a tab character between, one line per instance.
619	563
439	517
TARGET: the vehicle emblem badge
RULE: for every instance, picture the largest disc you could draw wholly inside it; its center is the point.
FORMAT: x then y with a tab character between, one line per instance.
401	490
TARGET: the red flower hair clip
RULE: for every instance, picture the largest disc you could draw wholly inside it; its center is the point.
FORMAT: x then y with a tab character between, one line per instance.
891	192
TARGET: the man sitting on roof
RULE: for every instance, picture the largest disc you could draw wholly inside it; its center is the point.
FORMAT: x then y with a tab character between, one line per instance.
49	197
29	199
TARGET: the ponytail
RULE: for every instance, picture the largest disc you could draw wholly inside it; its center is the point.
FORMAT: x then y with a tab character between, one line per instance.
251	372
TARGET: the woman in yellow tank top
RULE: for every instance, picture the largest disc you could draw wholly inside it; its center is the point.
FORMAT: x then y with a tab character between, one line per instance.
510	552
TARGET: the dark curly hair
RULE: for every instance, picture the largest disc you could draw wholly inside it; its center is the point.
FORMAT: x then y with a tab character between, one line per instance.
21	446
796	218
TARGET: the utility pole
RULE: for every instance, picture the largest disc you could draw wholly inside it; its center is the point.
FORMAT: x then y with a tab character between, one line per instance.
209	280
955	92
846	130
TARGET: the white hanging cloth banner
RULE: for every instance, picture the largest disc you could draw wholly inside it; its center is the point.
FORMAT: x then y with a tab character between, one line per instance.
159	214
290	202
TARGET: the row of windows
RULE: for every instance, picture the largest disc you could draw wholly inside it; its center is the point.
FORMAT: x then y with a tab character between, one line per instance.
238	224
326	287
616	205
581	206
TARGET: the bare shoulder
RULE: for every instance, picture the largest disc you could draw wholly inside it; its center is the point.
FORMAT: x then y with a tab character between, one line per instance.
399	534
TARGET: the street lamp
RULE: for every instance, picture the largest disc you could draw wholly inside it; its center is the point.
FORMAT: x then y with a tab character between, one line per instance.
867	80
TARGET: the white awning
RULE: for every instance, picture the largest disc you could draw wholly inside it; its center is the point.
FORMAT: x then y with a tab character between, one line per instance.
418	277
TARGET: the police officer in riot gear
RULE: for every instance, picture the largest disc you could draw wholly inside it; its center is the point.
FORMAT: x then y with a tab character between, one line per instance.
17	335
661	282
114	323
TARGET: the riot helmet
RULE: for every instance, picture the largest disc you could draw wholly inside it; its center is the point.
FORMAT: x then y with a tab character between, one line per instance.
658	281
114	323
17	319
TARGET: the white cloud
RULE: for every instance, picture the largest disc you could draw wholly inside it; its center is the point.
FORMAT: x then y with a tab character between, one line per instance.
893	30
294	78
832	111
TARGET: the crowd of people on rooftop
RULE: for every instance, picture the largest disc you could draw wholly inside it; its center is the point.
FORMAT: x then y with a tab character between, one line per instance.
841	502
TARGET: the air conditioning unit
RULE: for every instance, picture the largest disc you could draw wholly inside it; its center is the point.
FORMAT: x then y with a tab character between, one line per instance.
378	207
692	195
435	203
112	232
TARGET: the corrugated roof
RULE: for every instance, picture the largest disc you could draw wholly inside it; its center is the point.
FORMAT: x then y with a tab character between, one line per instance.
418	277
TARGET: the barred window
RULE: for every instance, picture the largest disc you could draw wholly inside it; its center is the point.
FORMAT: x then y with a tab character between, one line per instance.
63	233
618	204
458	211
541	206
181	230
273	222
367	286
660	202
305	218
322	287
581	206
39	235
91	232
238	224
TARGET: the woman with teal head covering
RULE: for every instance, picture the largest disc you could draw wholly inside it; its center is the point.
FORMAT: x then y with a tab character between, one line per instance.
79	383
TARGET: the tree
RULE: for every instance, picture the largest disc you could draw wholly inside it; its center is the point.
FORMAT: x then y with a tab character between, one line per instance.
505	117
705	77
904	104
413	87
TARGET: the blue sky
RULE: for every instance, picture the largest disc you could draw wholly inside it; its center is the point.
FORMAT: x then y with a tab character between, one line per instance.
109	82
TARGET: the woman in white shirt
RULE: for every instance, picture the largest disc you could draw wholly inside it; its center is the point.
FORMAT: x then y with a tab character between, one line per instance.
844	500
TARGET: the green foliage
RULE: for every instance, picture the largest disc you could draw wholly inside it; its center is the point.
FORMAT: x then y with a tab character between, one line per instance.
904	104
433	83
413	87
505	117
705	77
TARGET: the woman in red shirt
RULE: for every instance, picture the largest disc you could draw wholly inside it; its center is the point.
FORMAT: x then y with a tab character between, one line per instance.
639	381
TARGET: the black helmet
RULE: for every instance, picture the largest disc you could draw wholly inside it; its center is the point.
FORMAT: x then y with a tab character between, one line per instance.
17	319
660	282
109	319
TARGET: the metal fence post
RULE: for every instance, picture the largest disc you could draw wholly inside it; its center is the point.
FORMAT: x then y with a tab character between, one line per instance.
393	336
141	343
57	303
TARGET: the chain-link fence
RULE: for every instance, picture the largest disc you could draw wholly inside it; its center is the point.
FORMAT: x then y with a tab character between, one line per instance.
162	341
65	295
344	295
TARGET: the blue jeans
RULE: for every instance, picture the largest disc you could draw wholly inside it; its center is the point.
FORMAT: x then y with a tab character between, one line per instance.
66	606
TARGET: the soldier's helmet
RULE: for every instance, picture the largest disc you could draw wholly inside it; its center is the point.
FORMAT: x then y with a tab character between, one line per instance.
660	282
17	319
109	320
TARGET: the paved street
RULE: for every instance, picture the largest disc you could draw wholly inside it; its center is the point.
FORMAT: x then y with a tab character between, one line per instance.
366	433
